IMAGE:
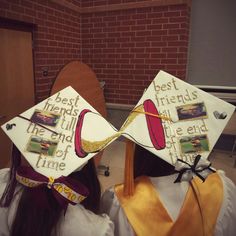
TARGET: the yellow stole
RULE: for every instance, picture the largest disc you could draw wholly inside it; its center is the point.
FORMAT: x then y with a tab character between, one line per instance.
197	217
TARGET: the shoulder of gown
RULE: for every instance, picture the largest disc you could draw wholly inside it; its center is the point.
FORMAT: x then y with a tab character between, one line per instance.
225	222
227	215
86	223
111	206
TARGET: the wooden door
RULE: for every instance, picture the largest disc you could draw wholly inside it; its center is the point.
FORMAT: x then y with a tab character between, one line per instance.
16	81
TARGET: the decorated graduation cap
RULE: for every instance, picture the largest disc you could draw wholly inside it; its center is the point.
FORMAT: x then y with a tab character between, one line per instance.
174	119
177	122
57	137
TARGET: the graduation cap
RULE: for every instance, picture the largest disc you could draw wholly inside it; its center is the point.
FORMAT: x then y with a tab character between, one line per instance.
57	137
177	122
173	119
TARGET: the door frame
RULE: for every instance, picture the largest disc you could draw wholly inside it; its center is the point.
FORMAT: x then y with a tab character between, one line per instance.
8	23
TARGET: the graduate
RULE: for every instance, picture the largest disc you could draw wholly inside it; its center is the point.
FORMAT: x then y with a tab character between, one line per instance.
170	187
52	186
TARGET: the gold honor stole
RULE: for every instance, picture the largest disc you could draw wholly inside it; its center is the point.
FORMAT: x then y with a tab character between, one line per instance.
197	217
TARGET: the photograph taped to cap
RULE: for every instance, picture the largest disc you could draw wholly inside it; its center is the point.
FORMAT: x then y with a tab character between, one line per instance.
192	111
45	117
41	146
190	144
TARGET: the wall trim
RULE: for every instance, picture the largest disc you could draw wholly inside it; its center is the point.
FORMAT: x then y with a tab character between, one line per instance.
119	106
17	25
131	5
121	6
66	4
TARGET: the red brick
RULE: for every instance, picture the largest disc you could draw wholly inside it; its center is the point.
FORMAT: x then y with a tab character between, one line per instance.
127	34
176	67
127	45
175	55
120	81
137	27
109	18
178	19
177	43
160	20
172	14
138	39
142	44
158	55
152	50
144	22
158	44
171	26
15	1
177	7
13	15
159	32
123	60
153	61
154	27
170	38
123	28
183	49
154	15
5	5
182	61
139	16
177	31
142	55
129	22
30	12
169	61
169	49
17	9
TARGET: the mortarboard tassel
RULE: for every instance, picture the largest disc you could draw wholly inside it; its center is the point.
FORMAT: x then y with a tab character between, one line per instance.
129	169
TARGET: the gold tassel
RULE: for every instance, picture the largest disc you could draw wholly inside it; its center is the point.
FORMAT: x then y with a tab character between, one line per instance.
129	168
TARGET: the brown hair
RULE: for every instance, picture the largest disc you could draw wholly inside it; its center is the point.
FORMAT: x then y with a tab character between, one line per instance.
146	163
38	212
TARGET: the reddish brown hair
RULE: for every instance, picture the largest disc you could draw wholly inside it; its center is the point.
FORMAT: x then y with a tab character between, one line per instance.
38	212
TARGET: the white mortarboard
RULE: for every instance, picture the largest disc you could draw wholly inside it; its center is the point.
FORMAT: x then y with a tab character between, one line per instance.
176	120
60	134
57	137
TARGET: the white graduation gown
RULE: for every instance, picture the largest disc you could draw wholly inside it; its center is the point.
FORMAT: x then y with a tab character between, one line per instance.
172	196
77	221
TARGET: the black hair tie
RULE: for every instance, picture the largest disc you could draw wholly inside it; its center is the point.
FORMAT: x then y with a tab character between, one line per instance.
195	168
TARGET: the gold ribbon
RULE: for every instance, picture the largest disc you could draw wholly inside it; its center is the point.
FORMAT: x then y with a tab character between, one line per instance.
148	216
60	185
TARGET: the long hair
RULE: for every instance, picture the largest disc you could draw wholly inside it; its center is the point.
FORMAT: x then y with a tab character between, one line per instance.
8	193
38	212
146	163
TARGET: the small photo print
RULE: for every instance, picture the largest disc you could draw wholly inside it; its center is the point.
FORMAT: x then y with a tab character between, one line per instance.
45	118
42	146
190	144
192	111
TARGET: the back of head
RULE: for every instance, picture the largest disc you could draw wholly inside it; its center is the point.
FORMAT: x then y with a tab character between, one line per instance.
88	177
60	170
38	212
146	163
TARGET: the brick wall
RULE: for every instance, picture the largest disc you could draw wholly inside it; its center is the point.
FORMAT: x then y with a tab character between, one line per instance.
57	39
126	48
125	44
94	3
